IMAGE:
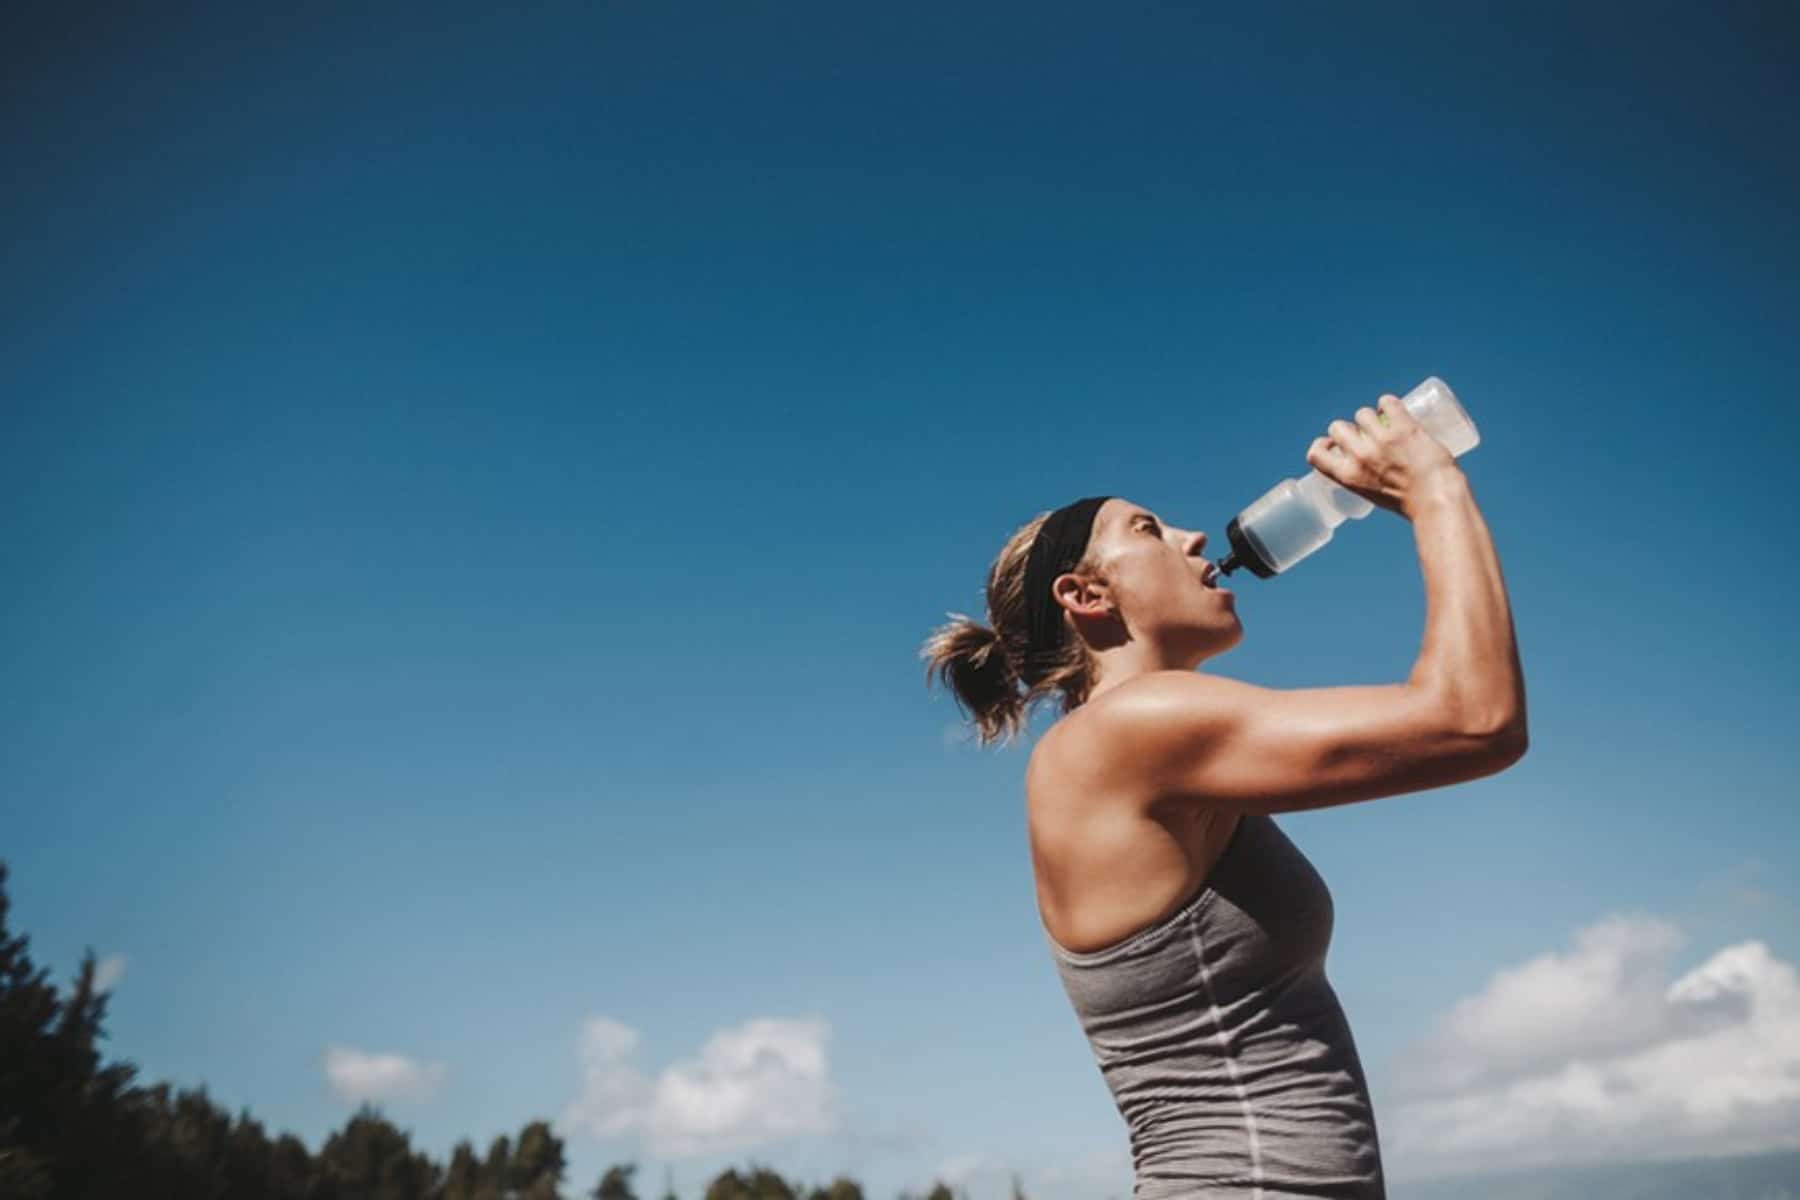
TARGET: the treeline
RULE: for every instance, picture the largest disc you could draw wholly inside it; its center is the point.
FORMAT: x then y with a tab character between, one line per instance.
73	1127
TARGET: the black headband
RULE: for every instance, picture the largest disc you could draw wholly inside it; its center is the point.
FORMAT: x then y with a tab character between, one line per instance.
1059	545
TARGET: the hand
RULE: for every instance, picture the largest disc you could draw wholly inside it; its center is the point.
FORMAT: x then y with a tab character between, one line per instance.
1385	457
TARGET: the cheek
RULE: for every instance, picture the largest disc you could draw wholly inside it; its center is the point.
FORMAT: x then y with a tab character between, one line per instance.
1158	585
1163	588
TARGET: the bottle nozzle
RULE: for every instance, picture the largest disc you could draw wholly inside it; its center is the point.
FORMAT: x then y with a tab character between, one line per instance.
1229	563
1245	551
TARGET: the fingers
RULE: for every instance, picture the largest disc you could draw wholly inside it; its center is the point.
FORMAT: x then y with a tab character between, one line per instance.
1345	445
1325	456
1351	438
1398	419
1330	459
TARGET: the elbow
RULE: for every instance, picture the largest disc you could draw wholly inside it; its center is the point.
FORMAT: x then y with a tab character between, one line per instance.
1492	731
1510	741
1488	717
1503	724
1500	734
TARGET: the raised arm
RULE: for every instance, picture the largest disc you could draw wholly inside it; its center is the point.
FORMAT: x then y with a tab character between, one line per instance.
1459	715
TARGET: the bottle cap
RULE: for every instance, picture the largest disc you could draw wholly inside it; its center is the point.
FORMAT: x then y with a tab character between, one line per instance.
1244	553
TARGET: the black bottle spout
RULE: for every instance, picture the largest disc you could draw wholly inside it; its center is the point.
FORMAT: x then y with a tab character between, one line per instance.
1244	553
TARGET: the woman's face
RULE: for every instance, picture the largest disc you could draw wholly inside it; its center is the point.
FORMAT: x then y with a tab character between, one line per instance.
1154	573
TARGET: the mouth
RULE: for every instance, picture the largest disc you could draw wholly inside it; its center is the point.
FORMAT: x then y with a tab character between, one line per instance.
1209	579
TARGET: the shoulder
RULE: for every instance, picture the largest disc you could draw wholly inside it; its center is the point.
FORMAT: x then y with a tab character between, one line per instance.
1143	708
1090	751
1119	743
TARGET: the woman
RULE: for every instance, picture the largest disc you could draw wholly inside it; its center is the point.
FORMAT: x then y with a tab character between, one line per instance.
1190	934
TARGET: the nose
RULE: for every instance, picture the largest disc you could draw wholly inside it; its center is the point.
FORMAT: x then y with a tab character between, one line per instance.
1195	543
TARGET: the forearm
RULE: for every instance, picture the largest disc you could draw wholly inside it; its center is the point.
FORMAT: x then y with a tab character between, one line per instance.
1470	654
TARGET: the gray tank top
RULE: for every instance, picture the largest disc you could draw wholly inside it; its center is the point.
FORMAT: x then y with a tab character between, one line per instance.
1223	1043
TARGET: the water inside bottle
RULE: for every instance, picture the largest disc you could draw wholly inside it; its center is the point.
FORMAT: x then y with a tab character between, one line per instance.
1290	531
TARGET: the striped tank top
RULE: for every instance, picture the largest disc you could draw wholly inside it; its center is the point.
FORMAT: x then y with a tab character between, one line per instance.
1222	1042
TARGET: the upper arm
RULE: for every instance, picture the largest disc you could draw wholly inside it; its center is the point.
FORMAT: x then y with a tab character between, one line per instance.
1266	750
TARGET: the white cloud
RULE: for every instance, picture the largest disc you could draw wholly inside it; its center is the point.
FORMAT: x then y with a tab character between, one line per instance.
108	972
1592	1055
356	1076
1604	996
758	1082
959	1169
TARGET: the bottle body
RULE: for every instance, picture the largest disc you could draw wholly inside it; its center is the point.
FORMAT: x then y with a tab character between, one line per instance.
1297	516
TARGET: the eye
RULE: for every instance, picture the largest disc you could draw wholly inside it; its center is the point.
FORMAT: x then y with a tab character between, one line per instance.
1148	523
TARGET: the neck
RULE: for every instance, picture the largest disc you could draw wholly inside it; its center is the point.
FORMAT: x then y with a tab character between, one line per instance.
1117	664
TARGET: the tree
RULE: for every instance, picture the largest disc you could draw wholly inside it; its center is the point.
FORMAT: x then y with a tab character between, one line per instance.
493	1181
537	1163
841	1188
63	1113
290	1169
371	1159
760	1184
462	1180
615	1183
939	1191
22	1175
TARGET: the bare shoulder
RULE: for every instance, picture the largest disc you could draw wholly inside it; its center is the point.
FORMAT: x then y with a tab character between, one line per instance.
1155	693
1086	756
1119	724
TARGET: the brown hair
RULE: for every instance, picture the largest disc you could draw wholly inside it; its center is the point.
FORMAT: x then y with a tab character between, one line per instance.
986	668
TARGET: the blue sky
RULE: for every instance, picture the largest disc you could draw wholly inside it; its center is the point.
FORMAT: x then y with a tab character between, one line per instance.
473	489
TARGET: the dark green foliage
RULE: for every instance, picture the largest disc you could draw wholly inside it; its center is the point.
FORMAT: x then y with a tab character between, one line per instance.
616	1183
370	1159
537	1164
759	1184
462	1179
841	1188
939	1191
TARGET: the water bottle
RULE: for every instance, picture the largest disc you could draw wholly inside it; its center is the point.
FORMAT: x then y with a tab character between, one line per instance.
1296	516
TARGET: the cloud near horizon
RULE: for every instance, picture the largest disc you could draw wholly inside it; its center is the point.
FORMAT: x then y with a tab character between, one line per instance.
757	1082
357	1077
1593	1055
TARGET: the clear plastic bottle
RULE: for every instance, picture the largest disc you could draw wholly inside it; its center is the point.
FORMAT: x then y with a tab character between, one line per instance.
1297	516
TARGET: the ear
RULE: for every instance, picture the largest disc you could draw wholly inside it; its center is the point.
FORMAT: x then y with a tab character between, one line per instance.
1081	595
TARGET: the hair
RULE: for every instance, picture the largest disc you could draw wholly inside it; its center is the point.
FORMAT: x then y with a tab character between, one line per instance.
988	668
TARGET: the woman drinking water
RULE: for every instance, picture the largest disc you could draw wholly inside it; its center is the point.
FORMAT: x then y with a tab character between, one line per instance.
1189	932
